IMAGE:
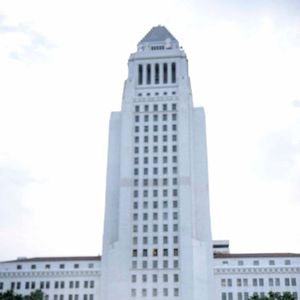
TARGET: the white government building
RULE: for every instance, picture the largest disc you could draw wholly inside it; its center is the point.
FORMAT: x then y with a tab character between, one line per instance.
157	238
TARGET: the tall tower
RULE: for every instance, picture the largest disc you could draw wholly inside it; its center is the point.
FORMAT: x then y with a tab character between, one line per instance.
157	238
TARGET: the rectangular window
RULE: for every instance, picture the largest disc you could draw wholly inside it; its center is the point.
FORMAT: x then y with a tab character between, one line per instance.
254	281
133	292
144	292
173	70
176	292
140	74
156	77
223	282
271	282
148	74
154	292
165	292
145	264
134	264
287	281
165	72
261	282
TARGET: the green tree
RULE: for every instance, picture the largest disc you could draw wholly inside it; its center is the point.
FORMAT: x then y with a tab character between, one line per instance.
274	296
10	295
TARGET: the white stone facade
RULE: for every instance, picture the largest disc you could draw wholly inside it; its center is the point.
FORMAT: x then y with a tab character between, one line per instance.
60	278
239	276
157	239
236	276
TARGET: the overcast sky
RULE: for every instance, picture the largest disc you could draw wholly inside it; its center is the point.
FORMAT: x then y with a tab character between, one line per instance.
62	68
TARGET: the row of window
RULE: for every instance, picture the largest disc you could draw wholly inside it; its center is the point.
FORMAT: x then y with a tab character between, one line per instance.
157	73
155	191
165	93
164	216
47	284
155	292
164	170
155	252
72	297
271	262
155	107
156	204
156	181
155	128
164	117
246	296
155	138
147	240
165	264
165	227
48	266
258	282
155	278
